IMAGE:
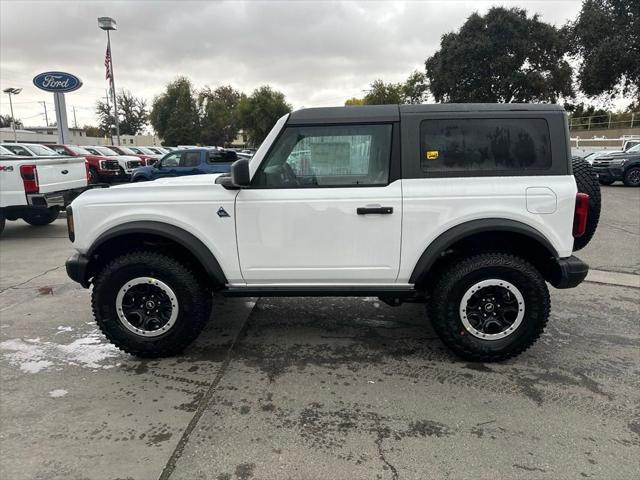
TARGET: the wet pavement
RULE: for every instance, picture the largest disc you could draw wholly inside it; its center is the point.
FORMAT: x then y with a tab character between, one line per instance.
315	388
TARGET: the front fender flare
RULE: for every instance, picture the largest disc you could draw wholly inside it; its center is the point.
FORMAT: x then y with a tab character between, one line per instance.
199	250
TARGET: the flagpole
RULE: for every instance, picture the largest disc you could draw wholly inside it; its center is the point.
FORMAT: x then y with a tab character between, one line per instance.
113	90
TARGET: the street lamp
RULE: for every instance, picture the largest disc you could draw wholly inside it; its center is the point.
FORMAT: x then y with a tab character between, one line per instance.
107	24
12	91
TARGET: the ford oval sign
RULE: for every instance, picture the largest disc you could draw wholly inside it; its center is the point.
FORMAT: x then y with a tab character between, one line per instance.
57	82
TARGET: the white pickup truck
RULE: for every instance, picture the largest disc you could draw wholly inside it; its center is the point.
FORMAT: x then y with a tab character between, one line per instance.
37	188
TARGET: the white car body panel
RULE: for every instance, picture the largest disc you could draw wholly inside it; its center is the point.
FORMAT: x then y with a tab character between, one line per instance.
50	177
189	203
311	235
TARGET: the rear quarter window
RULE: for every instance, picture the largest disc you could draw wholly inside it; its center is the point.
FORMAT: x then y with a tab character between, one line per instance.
474	145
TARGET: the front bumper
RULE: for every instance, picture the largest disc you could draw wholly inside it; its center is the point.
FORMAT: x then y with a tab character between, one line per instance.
77	266
609	172
569	272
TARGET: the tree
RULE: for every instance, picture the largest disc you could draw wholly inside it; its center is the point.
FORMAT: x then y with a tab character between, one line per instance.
132	113
412	91
503	56
174	114
606	36
6	121
219	115
259	112
92	131
106	122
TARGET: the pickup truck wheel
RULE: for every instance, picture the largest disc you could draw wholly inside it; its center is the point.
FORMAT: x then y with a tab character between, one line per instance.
41	217
632	177
587	182
94	177
490	307
150	305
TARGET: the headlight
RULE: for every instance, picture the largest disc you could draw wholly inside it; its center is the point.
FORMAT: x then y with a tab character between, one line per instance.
620	161
103	164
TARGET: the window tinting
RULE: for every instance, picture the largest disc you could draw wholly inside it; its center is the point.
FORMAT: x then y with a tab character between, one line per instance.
190	159
328	156
494	144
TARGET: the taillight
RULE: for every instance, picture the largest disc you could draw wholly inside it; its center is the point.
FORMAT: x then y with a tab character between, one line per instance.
580	215
70	225
29	174
86	171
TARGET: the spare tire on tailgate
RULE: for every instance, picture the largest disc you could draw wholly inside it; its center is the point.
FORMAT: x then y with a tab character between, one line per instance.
587	182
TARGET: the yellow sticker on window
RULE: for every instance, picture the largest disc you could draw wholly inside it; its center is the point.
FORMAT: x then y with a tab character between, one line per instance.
432	154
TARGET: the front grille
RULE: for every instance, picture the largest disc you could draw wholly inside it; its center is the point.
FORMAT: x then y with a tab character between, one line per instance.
134	163
111	165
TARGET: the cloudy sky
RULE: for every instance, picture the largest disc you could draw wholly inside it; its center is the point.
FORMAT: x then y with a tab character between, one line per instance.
317	53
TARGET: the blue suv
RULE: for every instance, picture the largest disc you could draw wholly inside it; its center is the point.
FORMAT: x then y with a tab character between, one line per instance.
193	161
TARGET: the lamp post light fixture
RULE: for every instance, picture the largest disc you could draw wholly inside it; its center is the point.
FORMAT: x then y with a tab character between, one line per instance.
107	24
12	91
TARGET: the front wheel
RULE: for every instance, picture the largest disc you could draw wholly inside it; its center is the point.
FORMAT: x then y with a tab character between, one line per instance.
42	216
490	307
150	305
632	177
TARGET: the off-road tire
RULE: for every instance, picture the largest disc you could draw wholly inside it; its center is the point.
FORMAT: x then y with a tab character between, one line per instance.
94	176
587	182
41	217
445	298
631	177
194	301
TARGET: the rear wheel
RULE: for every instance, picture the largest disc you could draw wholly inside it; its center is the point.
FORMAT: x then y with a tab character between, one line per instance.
632	177
490	307
41	216
150	305
587	182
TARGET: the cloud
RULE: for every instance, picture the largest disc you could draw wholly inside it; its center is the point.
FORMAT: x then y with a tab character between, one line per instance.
317	53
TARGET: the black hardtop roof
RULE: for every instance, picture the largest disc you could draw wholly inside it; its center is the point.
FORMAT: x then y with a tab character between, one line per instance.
391	113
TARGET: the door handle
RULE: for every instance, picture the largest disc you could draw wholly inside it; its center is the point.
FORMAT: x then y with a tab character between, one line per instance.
377	209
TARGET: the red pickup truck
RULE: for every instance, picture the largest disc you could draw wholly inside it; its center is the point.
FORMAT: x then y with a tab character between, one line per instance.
120	150
101	169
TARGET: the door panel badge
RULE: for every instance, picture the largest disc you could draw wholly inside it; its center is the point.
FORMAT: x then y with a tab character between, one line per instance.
222	213
432	154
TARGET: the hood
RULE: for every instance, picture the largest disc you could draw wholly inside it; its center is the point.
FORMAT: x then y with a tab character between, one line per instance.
190	180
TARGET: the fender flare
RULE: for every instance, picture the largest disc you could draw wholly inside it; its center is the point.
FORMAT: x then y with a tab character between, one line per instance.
463	230
176	234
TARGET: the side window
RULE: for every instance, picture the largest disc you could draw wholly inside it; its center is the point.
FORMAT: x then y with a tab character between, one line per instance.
484	145
190	159
216	156
171	161
328	156
60	150
18	150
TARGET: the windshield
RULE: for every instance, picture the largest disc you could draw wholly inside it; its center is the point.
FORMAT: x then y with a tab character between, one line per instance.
147	151
107	152
41	150
78	150
127	151
635	149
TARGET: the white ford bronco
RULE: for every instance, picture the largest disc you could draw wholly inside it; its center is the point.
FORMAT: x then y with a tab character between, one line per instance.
470	208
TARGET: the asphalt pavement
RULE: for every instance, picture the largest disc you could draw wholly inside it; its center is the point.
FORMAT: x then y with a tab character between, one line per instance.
319	388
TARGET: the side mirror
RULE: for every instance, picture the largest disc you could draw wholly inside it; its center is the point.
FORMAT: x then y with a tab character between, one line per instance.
240	173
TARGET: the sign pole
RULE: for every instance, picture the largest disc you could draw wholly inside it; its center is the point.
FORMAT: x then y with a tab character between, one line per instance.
113	89
61	117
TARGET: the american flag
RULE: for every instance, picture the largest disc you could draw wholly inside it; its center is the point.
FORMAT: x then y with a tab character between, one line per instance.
107	63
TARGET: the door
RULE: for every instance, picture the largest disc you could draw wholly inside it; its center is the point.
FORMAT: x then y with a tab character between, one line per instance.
323	208
168	166
189	163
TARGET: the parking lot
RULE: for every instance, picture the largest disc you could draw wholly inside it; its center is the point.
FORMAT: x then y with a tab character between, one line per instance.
320	387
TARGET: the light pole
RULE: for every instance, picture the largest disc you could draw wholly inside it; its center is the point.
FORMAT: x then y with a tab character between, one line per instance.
12	91
107	24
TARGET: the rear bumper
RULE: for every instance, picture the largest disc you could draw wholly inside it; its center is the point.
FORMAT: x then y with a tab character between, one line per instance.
570	272
54	199
77	266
